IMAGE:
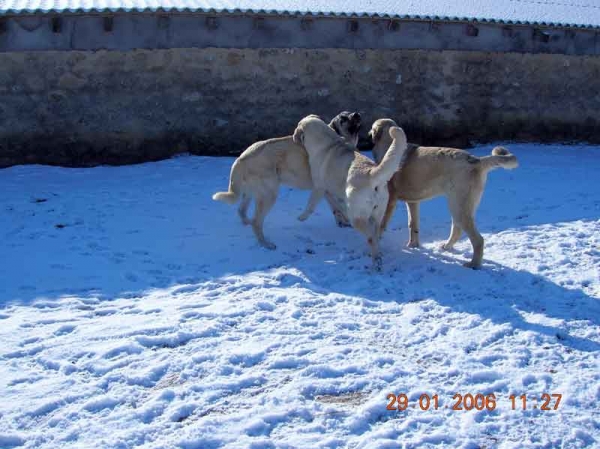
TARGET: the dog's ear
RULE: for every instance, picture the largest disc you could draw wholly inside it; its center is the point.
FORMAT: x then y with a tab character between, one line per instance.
375	133
335	127
298	136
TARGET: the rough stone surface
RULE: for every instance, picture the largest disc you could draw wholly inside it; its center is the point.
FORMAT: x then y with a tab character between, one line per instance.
110	107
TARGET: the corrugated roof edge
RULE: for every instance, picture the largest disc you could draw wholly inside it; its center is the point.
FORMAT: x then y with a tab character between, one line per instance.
22	12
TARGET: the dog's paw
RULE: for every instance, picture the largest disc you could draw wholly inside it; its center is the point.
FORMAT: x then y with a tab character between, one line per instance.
377	264
341	220
303	217
269	245
472	265
413	244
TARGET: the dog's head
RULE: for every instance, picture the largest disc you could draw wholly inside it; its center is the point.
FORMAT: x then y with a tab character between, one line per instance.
311	129
380	135
313	116
347	124
381	128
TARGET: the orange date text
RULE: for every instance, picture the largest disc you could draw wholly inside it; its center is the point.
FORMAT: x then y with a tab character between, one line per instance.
464	402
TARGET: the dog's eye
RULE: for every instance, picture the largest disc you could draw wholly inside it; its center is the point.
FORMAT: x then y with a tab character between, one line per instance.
343	119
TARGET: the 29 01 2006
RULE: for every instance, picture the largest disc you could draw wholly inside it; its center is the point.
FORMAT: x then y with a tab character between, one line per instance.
461	402
401	402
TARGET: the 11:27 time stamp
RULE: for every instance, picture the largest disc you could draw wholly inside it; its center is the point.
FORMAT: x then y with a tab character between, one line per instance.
546	402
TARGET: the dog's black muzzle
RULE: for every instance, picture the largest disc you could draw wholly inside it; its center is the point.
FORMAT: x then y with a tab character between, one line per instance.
354	122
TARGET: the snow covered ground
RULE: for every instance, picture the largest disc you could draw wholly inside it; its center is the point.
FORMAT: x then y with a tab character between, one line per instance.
137	312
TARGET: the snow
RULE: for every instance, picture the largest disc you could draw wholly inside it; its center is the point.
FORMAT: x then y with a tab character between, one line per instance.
584	13
137	312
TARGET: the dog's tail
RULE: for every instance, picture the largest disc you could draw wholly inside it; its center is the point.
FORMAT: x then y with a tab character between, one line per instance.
390	163
500	157
236	179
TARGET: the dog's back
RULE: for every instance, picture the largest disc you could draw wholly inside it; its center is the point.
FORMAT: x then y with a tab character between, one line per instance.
278	157
428	171
431	171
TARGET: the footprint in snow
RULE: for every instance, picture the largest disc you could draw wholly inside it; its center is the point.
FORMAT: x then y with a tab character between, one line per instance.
131	277
29	341
105	312
189	316
152	311
65	329
186	289
173	266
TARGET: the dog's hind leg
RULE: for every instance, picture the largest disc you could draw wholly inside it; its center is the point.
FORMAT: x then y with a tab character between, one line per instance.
313	201
455	233
464	216
340	217
477	241
413	224
263	206
389	211
243	209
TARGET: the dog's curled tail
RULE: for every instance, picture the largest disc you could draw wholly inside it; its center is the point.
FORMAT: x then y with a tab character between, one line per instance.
235	185
391	161
500	157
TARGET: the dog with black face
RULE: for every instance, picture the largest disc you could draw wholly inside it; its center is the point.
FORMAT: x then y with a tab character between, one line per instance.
357	183
347	124
264	166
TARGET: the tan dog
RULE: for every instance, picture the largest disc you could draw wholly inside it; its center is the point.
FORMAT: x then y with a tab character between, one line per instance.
427	172
357	184
264	166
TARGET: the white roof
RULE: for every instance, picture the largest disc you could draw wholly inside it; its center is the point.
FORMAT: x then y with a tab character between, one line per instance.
577	13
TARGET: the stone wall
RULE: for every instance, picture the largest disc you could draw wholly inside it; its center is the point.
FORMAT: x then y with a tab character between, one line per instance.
80	108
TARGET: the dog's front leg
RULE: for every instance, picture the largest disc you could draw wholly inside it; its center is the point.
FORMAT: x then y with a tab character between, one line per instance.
340	217
370	229
315	197
389	209
413	224
374	230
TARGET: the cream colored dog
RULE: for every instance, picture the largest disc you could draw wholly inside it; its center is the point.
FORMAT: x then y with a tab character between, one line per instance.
260	169
357	184
427	172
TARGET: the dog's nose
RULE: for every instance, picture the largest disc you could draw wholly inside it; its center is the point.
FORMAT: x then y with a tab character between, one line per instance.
355	116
